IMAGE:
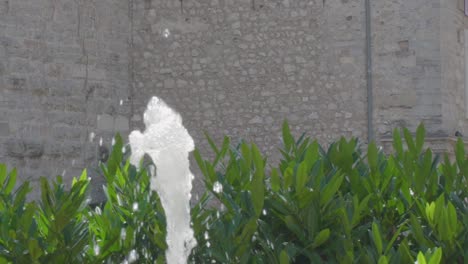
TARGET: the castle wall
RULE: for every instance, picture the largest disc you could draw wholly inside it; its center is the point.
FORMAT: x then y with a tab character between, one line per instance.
73	72
452	44
63	69
407	65
240	67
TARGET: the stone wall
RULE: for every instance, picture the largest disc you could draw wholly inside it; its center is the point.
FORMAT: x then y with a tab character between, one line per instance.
407	65
75	71
240	67
453	66
63	69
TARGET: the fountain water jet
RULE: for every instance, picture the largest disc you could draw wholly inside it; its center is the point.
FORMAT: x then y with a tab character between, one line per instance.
168	144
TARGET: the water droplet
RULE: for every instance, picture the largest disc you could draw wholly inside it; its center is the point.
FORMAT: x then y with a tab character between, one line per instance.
264	212
208	244
100	141
121	102
411	192
166	33
98	210
206	236
145	253
135	207
91	136
133	256
119	200
269	243
217	187
123	233
113	141
96	249
124	150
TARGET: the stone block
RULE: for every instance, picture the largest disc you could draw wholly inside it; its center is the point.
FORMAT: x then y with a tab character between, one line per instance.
19	148
4	129
105	122
17	84
169	83
121	123
71	150
289	69
79	71
256	120
97	74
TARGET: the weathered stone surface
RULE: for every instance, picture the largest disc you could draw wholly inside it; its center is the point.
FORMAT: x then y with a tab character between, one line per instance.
62	64
24	149
105	122
121	124
4	129
229	67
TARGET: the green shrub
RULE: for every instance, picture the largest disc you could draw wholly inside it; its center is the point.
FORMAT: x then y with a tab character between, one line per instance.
63	228
338	205
334	205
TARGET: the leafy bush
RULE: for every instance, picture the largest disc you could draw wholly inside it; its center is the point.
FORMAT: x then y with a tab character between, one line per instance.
63	228
338	205
334	205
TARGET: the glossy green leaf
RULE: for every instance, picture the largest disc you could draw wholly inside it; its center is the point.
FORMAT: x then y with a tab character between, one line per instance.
420	134
397	142
430	210
257	186
199	160
34	249
275	180
436	257
421	259
288	139
246	236
3	173
409	141
11	181
372	155
383	260
211	143
452	221
331	189
460	153
377	238
301	176
258	195
322	237
222	152
116	155
284	258
288	177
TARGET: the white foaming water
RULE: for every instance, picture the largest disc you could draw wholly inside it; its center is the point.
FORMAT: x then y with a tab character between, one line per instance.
168	144
217	187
